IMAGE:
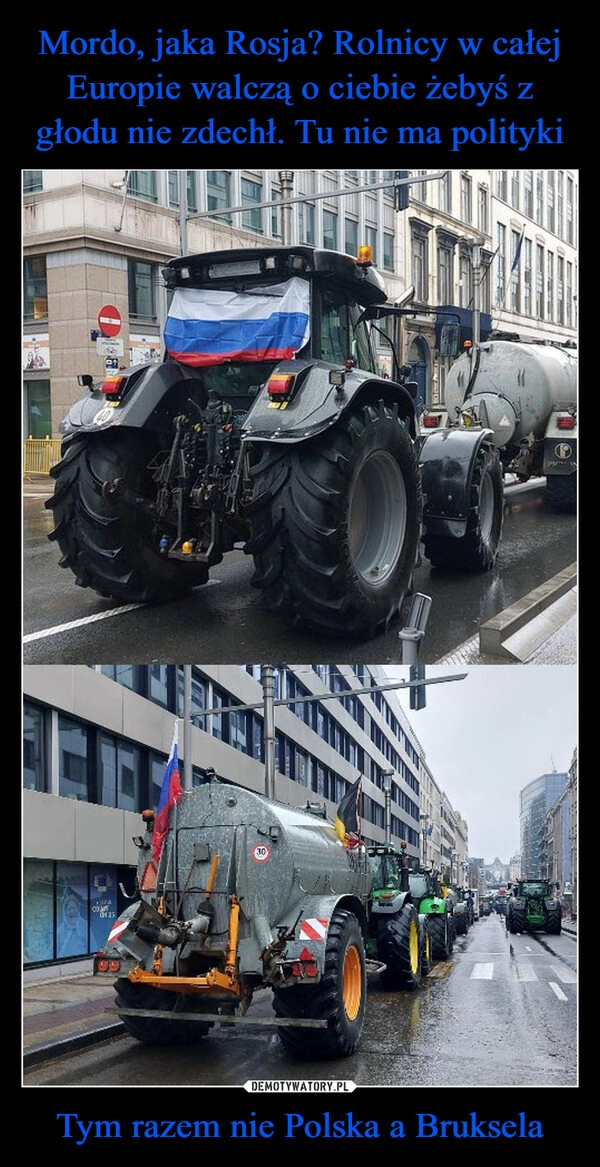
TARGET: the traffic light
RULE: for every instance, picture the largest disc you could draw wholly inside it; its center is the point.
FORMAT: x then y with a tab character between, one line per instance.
401	193
418	698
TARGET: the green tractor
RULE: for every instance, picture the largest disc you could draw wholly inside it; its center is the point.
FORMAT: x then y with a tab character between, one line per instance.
399	935
532	907
427	895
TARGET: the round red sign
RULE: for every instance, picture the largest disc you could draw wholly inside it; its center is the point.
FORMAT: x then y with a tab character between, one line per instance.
109	320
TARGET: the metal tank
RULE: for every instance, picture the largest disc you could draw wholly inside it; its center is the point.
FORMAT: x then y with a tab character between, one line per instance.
514	387
275	859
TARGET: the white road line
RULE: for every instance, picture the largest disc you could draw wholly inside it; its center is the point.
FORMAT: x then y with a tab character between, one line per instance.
482	971
79	623
44	632
556	989
524	972
567	976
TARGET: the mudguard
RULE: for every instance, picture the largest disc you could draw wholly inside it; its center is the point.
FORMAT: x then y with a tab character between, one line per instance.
390	907
560	454
143	388
447	458
313	405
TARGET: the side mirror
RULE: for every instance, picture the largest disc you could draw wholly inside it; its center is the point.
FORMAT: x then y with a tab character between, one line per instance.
85	380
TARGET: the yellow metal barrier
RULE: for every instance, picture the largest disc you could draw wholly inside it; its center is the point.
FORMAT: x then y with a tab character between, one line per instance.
39	454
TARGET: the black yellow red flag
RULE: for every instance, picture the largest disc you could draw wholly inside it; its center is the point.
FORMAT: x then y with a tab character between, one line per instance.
347	822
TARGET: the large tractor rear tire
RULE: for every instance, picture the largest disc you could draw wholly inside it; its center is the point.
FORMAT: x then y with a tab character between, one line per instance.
554	920
516	918
158	1030
478	549
336	523
399	945
442	940
109	545
339	998
426	947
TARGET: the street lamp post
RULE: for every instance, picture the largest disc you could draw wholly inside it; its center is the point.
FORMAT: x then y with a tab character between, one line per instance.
387	791
424	820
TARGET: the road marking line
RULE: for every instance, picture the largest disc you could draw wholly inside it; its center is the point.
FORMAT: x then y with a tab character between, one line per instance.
524	972
559	993
44	632
79	623
482	972
568	978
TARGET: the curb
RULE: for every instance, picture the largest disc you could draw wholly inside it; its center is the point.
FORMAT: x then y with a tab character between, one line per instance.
44	1053
494	634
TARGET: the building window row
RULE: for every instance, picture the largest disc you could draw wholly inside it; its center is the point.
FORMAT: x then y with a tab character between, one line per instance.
544	289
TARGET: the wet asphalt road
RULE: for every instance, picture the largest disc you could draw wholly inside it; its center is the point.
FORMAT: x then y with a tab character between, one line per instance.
227	621
501	1012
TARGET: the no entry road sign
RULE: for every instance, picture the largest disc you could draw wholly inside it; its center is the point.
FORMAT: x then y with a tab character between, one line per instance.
109	320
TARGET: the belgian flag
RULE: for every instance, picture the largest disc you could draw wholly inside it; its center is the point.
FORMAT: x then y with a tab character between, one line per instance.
347	822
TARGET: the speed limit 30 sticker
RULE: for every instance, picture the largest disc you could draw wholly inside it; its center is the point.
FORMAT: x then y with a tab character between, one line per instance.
261	853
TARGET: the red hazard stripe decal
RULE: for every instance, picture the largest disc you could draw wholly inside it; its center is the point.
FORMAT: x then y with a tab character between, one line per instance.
313	929
116	931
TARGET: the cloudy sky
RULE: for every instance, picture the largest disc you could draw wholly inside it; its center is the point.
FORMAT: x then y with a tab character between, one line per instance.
487	736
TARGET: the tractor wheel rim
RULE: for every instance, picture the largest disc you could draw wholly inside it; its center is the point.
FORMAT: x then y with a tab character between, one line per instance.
486	507
414	947
352	986
377	518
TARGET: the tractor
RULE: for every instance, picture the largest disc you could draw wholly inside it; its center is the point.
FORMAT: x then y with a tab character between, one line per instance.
533	907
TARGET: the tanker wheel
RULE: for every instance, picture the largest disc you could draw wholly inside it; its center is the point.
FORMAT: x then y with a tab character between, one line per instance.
561	493
440	930
339	998
478	548
109	545
399	945
336	523
157	1030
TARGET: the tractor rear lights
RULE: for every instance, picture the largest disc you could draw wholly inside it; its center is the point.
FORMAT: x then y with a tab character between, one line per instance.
565	423
430	421
280	384
102	964
111	386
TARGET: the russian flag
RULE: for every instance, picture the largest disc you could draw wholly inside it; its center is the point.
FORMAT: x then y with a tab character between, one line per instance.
206	326
170	794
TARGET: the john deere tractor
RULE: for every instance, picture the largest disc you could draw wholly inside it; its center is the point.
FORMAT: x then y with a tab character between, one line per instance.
532	907
399	934
427	896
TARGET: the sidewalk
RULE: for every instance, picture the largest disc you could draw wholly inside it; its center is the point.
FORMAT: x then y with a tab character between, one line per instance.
68	1014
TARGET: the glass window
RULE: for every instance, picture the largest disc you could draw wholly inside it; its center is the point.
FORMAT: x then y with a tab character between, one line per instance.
466	199
276	230
159	685
238	731
515	189
527	277
142	296
388	251
539	197
173	182
73	767
142	184
371	240
419	266
445	192
103	903
128	776
550	285
483	209
34	768
515	273
38	414
251	193
466	279
38	910
550	209
306	223
539	282
35	288
32	181
528	193
501	184
157	772
350	236
445	275
72	910
570	211
218	192
330	230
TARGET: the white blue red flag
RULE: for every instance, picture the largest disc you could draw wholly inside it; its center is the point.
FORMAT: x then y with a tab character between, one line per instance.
207	326
170	794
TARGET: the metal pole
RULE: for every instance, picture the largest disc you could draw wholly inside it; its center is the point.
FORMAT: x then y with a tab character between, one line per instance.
286	178
187	727
267	676
183	215
476	294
